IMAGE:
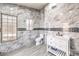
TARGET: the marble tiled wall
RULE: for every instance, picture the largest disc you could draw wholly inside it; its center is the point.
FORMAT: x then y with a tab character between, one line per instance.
0	28
23	14
63	15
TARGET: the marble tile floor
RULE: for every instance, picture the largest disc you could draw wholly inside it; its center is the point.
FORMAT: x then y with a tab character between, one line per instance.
31	51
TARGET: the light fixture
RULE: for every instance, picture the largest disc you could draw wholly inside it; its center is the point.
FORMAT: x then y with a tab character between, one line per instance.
52	5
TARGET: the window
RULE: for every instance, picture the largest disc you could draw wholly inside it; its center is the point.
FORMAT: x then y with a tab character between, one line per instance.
8	27
29	24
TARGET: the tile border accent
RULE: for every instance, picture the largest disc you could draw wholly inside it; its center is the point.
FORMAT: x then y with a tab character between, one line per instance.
21	29
74	29
71	29
49	29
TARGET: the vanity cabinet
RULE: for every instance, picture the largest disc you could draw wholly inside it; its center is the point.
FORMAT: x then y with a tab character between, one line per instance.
58	45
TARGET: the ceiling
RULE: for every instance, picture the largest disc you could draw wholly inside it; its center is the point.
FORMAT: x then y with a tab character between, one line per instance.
33	5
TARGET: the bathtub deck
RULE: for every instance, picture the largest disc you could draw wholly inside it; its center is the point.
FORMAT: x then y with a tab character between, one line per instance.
32	51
